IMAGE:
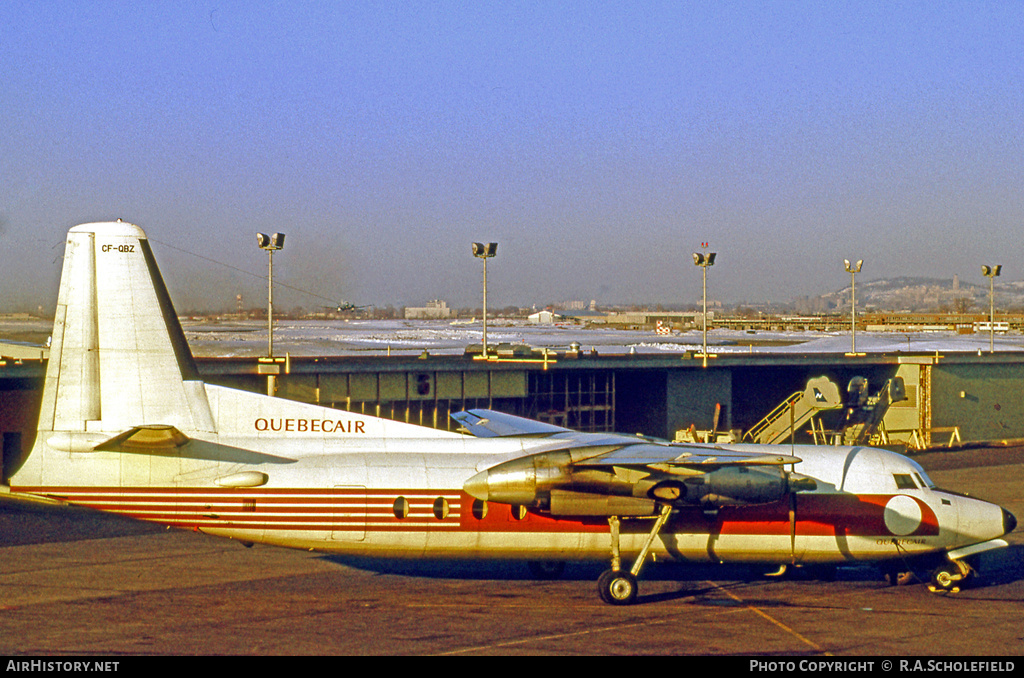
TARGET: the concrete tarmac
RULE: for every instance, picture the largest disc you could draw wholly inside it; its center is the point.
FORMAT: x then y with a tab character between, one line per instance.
74	583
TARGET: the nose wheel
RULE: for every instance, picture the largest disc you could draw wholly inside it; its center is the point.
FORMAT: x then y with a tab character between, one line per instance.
617	586
950	577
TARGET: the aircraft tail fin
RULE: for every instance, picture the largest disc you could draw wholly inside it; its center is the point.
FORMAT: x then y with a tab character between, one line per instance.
118	358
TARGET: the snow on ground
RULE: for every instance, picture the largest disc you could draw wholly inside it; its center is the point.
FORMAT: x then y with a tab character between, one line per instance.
405	337
411	337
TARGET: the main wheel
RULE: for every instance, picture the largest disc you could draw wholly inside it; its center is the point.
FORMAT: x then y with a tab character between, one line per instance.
617	587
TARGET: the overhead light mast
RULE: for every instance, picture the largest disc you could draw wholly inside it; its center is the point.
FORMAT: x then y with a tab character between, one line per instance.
485	252
853	270
705	259
271	244
991	272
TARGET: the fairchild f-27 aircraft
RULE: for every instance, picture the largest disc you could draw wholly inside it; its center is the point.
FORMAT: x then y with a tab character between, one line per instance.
127	426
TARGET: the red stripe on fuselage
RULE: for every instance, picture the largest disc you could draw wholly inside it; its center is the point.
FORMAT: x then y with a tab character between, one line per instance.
347	507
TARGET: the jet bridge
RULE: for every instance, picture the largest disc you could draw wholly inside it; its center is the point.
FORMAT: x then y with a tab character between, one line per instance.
795	411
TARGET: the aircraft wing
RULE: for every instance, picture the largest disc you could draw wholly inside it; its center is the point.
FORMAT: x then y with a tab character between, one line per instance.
617	475
491	424
653	454
627	451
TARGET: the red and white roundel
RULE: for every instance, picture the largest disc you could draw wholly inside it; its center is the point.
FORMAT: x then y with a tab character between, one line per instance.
902	515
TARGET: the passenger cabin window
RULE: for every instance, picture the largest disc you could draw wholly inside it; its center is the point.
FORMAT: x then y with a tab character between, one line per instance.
401	508
904	481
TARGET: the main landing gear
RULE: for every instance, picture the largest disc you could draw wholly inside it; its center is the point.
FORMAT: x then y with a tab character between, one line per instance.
617	586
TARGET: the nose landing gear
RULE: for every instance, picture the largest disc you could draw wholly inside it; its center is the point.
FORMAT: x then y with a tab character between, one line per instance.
950	577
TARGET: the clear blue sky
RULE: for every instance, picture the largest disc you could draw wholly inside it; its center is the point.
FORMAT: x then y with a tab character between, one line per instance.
600	143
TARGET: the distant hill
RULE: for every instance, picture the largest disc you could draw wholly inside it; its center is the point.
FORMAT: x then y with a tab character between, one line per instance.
928	294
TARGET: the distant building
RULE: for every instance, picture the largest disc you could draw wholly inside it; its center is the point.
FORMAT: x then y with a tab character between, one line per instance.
545	318
434	310
674	319
548	316
578	305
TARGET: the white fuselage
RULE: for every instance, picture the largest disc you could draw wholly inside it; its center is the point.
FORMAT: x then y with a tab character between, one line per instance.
346	491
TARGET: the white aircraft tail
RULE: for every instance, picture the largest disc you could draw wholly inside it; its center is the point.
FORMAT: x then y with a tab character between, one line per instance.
118	357
123	403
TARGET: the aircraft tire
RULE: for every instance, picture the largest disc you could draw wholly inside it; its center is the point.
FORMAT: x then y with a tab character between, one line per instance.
949	577
617	587
546	570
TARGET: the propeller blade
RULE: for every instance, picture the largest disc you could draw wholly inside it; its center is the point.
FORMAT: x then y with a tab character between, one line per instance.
792	526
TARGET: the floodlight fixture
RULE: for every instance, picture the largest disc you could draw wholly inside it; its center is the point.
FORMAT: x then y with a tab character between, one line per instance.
270	242
485	251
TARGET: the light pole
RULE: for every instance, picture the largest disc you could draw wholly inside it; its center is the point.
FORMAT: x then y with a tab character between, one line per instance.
991	272
271	244
853	270
485	252
705	259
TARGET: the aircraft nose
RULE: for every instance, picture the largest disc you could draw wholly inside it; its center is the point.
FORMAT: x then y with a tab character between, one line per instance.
1009	522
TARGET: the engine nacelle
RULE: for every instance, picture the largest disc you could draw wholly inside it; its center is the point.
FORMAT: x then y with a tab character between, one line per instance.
731	486
523	481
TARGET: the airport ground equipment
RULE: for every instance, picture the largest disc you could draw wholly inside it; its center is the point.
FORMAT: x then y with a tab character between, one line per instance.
820	394
864	413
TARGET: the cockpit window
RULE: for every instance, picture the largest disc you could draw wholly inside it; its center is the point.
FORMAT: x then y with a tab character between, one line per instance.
925	481
904	481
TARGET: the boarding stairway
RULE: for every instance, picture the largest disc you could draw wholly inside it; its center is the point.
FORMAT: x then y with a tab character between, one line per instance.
795	411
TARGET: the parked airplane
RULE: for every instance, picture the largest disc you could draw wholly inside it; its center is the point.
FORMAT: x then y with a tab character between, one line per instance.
346	307
127	426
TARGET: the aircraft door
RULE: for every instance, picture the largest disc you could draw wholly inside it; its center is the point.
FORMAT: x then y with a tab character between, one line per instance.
348	514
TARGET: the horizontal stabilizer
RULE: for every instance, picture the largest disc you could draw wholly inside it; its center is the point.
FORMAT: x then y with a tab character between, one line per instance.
162	440
144	439
491	424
